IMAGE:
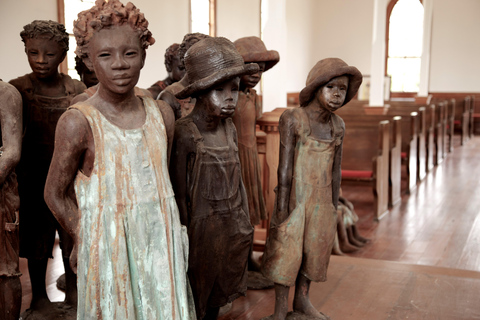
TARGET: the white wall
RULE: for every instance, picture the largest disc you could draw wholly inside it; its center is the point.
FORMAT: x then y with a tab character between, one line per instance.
319	29
14	15
455	52
168	22
238	19
299	59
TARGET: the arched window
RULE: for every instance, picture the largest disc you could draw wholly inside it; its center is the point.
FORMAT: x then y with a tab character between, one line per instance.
202	16
404	45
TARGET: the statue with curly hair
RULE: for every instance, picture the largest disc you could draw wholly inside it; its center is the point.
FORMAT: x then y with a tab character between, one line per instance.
175	71
182	107
46	95
109	186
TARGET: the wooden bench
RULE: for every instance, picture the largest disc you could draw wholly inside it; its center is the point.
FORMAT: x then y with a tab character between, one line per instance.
394	151
414	132
462	119
407	127
365	161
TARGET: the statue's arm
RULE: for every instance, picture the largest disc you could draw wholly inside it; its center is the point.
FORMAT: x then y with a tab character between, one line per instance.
72	138
11	125
169	121
287	131
337	172
182	147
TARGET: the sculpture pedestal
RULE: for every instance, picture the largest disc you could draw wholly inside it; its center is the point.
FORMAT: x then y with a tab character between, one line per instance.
292	315
58	310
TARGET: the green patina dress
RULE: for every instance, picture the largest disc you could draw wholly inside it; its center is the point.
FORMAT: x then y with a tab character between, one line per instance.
303	242
133	251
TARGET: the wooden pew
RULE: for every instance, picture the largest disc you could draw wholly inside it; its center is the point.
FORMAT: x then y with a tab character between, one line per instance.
426	134
416	130
462	119
440	132
365	161
395	149
471	115
450	122
407	128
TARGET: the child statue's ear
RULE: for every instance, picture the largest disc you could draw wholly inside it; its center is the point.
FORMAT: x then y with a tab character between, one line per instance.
144	56
88	63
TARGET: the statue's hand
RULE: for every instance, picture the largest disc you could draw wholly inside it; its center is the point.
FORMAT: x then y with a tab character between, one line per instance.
73	258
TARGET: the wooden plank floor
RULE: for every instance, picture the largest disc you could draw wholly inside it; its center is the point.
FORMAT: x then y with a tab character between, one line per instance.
423	261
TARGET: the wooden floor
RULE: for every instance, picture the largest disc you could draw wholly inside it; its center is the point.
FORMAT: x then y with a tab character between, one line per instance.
423	261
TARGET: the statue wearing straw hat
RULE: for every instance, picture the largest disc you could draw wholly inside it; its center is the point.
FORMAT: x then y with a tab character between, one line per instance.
205	171
304	222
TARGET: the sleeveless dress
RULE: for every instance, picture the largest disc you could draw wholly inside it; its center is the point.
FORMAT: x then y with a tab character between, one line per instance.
303	242
219	227
246	113
133	251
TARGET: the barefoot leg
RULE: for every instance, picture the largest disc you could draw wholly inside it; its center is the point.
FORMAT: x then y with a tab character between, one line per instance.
281	302
10	298
37	269
345	245
301	301
357	235
352	239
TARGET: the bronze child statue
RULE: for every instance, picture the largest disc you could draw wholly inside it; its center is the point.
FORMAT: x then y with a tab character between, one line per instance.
109	184
175	70
304	222
205	171
184	106
88	77
248	110
11	145
46	95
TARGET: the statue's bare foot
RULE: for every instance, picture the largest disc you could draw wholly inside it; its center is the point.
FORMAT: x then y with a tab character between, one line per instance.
348	248
41	304
303	305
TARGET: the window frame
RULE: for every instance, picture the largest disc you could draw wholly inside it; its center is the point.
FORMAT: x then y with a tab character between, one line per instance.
390	7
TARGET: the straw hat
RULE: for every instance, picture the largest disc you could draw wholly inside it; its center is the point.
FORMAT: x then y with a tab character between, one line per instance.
253	49
324	71
210	62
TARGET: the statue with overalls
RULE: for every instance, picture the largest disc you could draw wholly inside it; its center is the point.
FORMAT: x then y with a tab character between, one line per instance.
304	222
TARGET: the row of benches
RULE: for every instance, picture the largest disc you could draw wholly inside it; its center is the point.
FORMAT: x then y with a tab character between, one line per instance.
378	141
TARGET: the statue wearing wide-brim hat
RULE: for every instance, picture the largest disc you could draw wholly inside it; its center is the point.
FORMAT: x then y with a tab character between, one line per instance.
324	71
253	49
304	221
210	62
206	176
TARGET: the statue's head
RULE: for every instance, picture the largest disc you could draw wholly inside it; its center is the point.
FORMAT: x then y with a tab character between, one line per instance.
325	71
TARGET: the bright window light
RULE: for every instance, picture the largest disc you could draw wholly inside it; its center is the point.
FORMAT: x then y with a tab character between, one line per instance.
405	45
200	16
72	9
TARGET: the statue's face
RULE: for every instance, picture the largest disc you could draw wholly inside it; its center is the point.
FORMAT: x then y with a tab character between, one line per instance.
117	58
89	78
222	99
44	56
251	80
332	95
178	70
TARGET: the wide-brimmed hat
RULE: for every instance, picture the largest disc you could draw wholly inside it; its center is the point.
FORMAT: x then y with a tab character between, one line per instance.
210	62
253	49
324	71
